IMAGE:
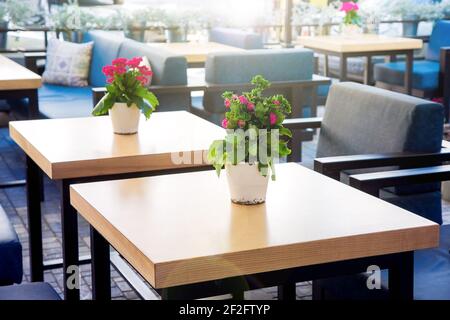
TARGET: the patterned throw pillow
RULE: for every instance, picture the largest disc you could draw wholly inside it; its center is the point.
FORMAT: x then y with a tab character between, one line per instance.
68	63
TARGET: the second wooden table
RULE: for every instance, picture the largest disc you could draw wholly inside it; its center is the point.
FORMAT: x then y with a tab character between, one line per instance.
86	149
365	45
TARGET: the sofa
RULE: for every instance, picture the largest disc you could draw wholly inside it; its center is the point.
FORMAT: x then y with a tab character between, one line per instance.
57	101
234	69
236	38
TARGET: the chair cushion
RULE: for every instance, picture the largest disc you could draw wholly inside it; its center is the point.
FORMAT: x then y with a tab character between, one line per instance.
439	38
236	38
29	291
364	120
65	102
10	252
106	49
431	277
67	63
361	119
241	67
425	74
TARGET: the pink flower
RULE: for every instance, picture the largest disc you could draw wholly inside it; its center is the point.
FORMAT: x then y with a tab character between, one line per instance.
235	97
109	79
145	71
349	6
120	70
276	102
227	103
250	107
134	62
108	71
243	100
119	62
142	79
272	118
224	123
241	123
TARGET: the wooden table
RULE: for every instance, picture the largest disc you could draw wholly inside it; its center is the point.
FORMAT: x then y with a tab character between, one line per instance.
365	45
85	149
183	233
17	82
196	52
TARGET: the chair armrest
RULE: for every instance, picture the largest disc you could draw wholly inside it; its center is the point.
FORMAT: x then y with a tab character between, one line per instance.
31	59
97	95
302	123
332	166
444	79
372	182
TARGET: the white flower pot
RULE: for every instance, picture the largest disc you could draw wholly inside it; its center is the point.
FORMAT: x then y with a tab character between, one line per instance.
350	30
125	120
246	184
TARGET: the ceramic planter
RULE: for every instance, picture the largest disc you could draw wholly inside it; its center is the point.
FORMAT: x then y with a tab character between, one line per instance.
246	184
350	29
125	120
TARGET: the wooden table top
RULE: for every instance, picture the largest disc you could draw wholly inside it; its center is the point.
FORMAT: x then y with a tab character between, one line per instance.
87	147
13	76
180	229
360	43
196	52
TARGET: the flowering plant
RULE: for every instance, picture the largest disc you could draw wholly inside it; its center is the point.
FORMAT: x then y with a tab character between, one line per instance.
127	80
255	132
351	12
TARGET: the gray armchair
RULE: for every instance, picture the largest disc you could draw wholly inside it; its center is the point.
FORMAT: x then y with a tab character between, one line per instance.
389	145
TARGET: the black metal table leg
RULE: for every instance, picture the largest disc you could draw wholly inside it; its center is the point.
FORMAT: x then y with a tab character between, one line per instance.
101	272
287	291
401	277
69	221
33	104
34	221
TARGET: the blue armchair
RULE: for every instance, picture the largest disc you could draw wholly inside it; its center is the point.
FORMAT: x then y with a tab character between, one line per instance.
430	77
288	66
362	144
236	38
57	101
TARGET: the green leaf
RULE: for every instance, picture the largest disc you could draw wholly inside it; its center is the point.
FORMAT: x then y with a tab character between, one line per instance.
285	132
147	95
104	105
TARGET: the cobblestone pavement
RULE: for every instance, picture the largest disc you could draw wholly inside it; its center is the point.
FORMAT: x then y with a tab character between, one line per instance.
12	166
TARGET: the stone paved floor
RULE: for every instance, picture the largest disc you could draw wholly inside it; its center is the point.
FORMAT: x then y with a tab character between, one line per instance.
12	166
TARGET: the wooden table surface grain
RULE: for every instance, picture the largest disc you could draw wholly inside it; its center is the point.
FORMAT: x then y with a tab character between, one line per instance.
13	76
360	43
180	229
87	147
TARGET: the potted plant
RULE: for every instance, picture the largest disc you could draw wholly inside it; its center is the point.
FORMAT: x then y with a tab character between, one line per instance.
352	20
71	21
126	95
255	140
175	26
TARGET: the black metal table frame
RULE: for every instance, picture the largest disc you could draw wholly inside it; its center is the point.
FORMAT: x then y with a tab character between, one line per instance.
30	94
400	266
69	222
368	71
